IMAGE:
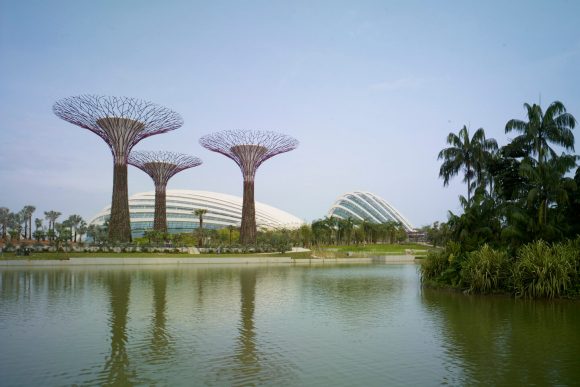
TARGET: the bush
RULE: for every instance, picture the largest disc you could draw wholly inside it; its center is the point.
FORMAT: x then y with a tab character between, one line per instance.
486	270
543	271
434	265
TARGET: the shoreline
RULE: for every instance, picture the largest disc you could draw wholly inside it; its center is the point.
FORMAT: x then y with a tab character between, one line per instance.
93	261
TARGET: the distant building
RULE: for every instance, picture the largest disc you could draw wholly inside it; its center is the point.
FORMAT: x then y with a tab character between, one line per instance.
367	206
222	211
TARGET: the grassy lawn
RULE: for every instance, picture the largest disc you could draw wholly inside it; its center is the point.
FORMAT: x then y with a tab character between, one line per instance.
60	256
378	248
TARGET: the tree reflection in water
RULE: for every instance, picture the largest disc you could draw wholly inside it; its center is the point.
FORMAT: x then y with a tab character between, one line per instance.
160	347
245	350
117	367
498	340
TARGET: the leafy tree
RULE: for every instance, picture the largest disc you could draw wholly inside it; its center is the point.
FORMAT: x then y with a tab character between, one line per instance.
467	154
542	129
4	218
200	212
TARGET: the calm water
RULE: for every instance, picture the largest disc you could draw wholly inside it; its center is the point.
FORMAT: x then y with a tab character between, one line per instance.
345	325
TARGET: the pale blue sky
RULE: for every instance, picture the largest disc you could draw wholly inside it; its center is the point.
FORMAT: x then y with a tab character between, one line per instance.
369	88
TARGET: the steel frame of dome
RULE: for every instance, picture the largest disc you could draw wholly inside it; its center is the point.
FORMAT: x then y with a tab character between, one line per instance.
223	210
367	206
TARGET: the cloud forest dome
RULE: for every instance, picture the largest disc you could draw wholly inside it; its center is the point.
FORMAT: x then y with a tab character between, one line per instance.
223	210
367	206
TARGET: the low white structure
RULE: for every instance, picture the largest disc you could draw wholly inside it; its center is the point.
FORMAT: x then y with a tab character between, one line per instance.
222	211
367	206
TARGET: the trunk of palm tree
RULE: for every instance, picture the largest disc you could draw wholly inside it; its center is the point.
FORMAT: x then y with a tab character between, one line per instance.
119	224
201	230
248	226
160	217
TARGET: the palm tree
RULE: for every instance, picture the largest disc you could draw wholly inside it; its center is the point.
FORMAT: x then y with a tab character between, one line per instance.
81	229
4	218
27	213
200	212
554	126
541	164
74	222
51	216
469	154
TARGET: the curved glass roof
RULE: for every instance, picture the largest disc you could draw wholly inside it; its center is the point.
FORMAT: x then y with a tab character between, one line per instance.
222	211
367	206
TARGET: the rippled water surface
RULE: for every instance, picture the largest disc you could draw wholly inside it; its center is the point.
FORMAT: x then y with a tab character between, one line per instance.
368	325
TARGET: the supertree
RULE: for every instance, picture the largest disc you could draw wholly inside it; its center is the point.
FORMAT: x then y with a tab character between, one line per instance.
161	166
249	149
121	122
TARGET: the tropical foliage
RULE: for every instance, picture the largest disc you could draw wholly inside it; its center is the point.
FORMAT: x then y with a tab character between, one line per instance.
522	207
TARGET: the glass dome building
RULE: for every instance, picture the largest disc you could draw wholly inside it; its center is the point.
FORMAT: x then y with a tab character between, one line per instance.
222	211
367	206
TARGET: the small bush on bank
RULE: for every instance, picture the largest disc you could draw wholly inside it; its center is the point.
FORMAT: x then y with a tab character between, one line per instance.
434	265
542	271
486	271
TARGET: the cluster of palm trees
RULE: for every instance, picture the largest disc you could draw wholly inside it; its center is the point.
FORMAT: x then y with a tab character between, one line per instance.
519	192
336	231
18	225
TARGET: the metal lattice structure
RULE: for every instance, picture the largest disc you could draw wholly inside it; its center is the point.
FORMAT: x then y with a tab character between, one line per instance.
161	166
249	149
121	122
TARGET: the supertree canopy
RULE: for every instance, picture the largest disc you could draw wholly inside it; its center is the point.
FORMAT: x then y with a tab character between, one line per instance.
122	122
249	149
161	166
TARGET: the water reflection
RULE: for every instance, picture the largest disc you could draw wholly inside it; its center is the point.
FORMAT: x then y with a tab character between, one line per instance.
246	354
277	325
117	367
502	341
160	345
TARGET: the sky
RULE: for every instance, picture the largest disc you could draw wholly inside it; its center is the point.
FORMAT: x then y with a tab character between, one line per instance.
370	89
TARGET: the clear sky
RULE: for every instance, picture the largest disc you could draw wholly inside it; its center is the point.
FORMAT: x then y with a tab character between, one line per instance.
369	88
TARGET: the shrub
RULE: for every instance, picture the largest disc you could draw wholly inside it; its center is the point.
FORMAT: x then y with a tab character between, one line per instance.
486	270
434	265
542	271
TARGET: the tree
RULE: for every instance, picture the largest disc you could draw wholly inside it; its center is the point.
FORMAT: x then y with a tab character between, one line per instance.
4	218
249	149
161	166
51	216
74	221
81	229
467	154
541	130
121	122
540	164
200	212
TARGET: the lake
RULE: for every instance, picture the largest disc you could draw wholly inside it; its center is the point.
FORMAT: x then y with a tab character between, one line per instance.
244	325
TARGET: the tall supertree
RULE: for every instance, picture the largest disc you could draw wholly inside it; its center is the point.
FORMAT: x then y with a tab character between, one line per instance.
161	166
249	149
121	122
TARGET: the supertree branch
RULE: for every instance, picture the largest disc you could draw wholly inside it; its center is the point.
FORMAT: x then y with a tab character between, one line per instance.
161	166
121	122
249	149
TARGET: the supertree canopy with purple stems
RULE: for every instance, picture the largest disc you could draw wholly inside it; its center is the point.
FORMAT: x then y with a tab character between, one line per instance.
249	149
161	166
121	122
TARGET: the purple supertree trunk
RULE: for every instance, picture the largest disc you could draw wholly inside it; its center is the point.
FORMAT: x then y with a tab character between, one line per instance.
161	166
249	149
121	122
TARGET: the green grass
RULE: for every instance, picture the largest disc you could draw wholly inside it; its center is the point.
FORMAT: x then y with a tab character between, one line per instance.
377	248
61	256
